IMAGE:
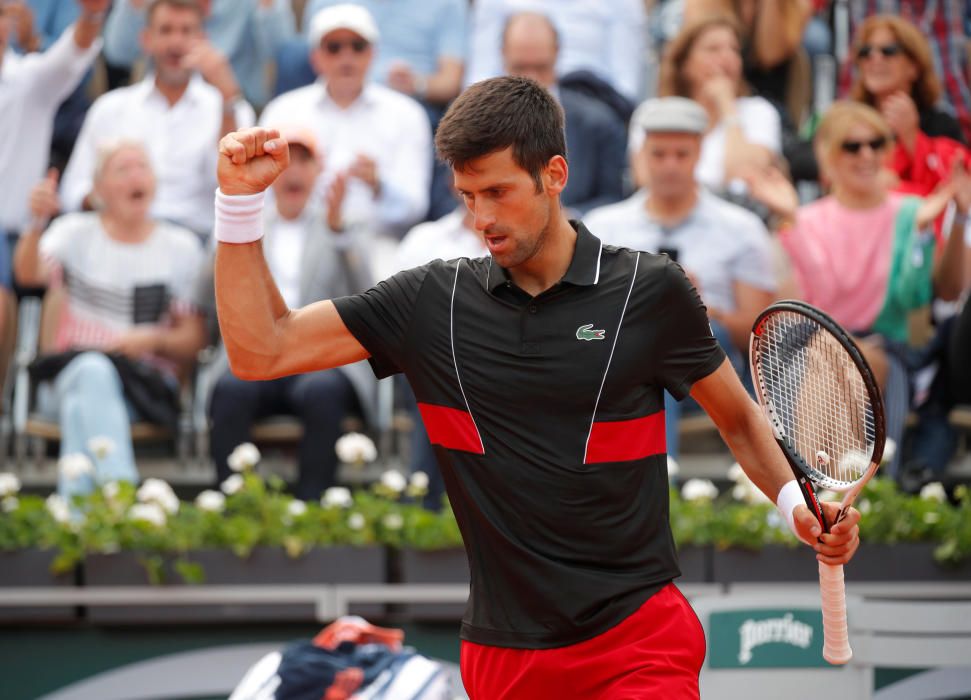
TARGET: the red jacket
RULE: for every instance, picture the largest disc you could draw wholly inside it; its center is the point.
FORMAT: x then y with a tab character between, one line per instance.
927	167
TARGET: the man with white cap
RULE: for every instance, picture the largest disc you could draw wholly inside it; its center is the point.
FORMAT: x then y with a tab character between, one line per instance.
376	141
725	249
312	256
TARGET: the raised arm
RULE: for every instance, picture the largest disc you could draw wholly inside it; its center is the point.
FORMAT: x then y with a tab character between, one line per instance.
264	339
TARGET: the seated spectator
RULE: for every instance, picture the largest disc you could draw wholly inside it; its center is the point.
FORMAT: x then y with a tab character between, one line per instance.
864	254
704	63
596	139
942	24
177	112
375	141
31	88
452	236
312	256
605	38
724	249
772	35
246	32
127	325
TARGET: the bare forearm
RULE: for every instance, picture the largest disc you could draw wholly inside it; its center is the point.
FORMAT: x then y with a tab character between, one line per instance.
182	342
87	29
949	270
778	31
249	306
446	83
27	264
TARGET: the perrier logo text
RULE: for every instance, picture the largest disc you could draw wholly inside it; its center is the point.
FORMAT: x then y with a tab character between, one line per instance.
585	333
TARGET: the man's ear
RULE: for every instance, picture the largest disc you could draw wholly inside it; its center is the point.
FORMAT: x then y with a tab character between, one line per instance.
555	175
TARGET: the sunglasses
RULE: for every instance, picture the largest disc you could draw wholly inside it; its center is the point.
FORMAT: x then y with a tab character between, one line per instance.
335	47
887	51
854	147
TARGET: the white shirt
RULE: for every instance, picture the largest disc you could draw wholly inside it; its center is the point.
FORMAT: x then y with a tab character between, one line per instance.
385	125
605	37
720	243
760	123
284	254
447	238
181	140
31	88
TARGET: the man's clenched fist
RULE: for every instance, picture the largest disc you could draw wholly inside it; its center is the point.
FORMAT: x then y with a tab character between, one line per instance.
250	160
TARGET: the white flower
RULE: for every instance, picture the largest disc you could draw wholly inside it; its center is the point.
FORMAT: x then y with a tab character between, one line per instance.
111	490
58	508
232	484
934	492
698	489
864	506
673	467
393	481
296	508
74	466
9	484
355	448
393	521
101	446
211	501
336	497
9	504
889	450
736	473
159	492
151	513
827	496
855	463
244	457
356	521
419	481
747	492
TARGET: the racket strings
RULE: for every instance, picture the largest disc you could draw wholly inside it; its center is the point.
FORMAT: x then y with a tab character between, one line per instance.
817	397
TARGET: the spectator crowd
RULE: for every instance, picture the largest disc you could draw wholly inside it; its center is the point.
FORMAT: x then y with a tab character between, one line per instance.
773	148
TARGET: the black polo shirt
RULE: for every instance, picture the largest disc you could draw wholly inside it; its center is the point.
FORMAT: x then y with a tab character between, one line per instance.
547	417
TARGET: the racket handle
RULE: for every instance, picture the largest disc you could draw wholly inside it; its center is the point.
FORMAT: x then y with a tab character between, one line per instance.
836	639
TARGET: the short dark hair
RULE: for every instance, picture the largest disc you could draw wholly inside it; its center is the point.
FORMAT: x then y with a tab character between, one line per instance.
499	113
178	4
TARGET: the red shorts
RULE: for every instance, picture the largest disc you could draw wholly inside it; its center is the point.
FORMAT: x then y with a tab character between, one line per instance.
655	653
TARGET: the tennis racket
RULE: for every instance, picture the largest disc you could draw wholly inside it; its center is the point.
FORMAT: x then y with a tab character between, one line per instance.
823	404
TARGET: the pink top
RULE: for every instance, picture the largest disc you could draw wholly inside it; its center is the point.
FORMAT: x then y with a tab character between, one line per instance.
841	258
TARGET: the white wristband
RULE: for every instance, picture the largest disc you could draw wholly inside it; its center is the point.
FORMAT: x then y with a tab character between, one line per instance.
790	496
239	217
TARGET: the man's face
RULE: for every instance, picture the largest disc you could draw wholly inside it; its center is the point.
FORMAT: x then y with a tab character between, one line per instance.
507	210
531	54
295	184
343	58
168	37
669	161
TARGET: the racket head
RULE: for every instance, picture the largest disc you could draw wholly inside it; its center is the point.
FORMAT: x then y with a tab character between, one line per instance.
818	393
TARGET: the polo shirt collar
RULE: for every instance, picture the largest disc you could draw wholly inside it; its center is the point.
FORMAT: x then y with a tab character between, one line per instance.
584	269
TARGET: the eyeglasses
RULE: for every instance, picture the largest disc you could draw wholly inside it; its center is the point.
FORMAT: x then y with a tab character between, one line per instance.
887	50
355	45
854	147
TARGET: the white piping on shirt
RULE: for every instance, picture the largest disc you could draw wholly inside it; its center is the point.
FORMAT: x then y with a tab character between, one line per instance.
451	336
613	347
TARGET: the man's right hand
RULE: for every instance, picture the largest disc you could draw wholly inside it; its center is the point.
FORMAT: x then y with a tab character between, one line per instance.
250	160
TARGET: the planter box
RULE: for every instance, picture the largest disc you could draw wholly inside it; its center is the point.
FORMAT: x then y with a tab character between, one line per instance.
265	566
431	566
695	564
31	568
904	561
771	563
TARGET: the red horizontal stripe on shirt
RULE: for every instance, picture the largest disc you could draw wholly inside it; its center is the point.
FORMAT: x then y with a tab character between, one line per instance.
626	440
451	428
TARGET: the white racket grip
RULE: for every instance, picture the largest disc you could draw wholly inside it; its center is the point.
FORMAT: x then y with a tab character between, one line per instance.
836	638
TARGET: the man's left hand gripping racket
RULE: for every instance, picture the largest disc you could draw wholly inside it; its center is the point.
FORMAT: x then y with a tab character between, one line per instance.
825	410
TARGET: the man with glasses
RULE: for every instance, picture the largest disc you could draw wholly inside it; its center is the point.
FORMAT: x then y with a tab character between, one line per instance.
375	141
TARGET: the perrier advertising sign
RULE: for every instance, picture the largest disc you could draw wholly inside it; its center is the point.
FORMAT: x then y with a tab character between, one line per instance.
766	638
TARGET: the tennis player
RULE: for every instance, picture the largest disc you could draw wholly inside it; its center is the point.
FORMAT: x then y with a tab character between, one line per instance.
539	373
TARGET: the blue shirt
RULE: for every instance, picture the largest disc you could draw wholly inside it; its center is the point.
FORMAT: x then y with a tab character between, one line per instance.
417	32
245	32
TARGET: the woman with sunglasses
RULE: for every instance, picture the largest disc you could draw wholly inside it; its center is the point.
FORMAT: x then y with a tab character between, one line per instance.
863	253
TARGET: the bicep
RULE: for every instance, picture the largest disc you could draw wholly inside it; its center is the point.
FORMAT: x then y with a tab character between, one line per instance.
314	338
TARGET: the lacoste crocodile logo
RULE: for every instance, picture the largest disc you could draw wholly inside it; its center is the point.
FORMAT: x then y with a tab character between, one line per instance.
584	333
